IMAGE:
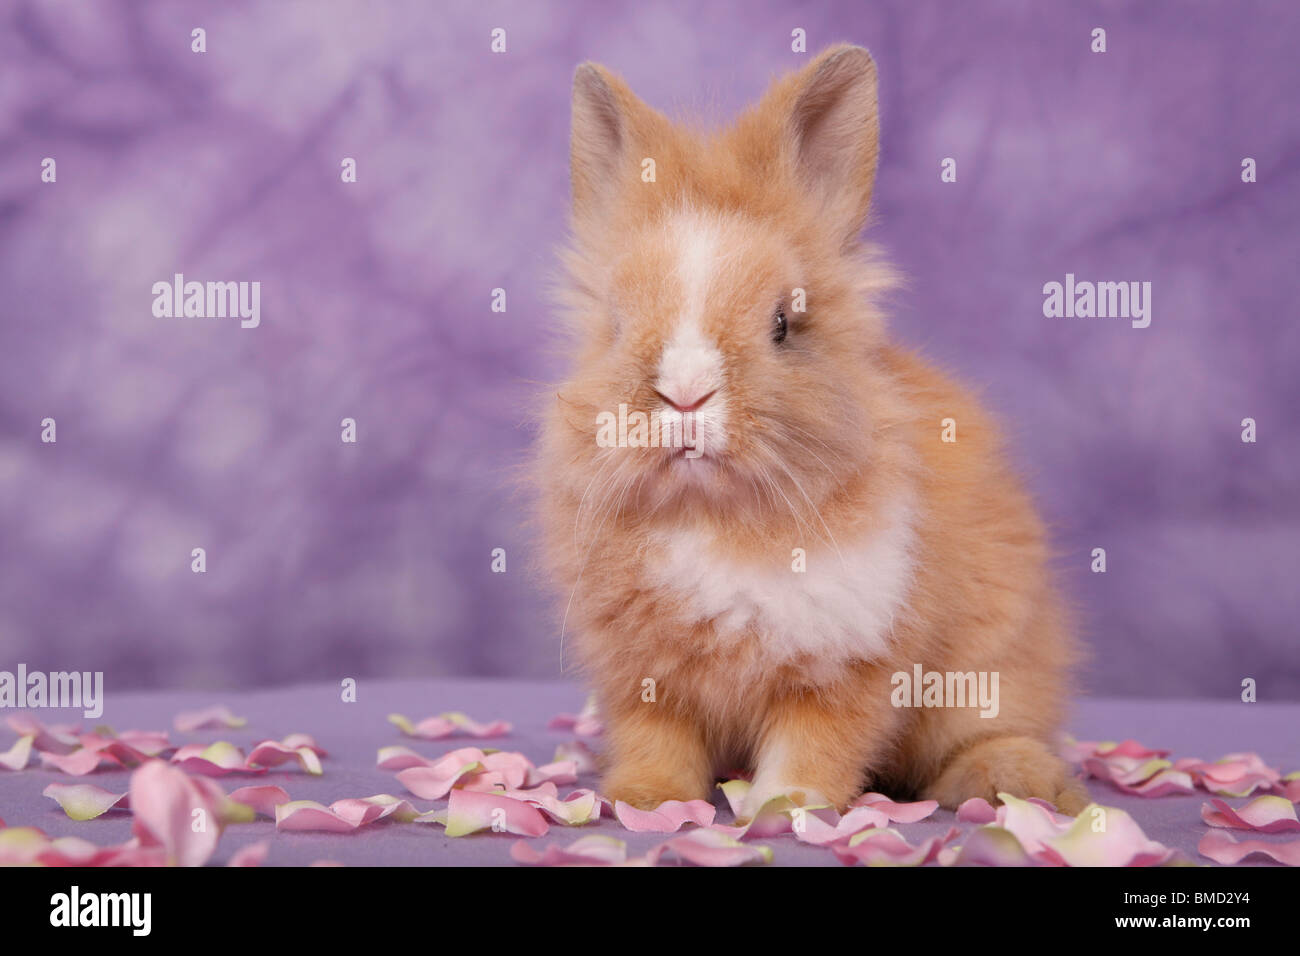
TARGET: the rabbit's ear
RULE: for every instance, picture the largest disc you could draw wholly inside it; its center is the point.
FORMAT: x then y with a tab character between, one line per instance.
608	119
832	126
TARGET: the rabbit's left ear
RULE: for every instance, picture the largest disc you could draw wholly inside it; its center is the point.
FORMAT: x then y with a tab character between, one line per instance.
832	129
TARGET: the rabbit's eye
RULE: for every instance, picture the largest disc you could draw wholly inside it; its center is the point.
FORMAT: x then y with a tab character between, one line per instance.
779	326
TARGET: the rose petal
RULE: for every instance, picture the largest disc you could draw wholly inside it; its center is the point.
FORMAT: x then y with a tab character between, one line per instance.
976	810
1236	775
213	760
583	760
825	827
1141	778
271	753
876	847
79	762
594	850
469	768
445	725
342	816
252	855
560	772
897	812
56	738
1030	823
217	716
297	815
709	847
1103	836
735	790
179	813
262	800
16	757
1266	814
298	741
1290	786
669	817
991	846
1222	848
587	723
84	801
469	811
144	743
578	808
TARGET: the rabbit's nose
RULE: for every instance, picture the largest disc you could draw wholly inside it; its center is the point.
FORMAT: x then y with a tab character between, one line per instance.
685	404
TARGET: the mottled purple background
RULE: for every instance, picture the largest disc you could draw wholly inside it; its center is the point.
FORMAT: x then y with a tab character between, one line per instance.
327	560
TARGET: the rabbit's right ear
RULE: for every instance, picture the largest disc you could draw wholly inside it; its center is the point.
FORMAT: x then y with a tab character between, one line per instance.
607	120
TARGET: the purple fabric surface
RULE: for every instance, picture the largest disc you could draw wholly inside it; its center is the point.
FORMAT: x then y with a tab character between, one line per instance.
373	559
353	733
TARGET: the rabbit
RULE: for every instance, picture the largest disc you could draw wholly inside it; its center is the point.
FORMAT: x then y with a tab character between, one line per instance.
792	511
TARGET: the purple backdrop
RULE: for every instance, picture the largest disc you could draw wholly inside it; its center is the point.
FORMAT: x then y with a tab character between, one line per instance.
327	559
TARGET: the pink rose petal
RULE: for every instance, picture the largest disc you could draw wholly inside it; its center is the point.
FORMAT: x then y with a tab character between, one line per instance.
897	812
824	827
79	762
669	817
429	783
16	757
84	801
176	812
1030	823
56	738
252	855
584	724
470	811
1077	750
263	800
1141	778
446	725
212	760
560	772
299	815
299	741
1266	814
578	808
1222	848
875	847
579	754
398	757
709	847
991	846
775	817
28	846
142	743
469	768
271	753
1290	786
1236	775
976	810
1114	839
342	816
594	850
215	717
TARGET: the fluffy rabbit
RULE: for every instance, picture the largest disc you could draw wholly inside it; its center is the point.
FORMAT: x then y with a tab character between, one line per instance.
813	511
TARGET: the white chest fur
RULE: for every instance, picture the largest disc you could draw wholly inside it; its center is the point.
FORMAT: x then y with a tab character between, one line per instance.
840	608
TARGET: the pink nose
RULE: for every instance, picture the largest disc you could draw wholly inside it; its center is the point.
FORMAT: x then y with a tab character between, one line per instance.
688	406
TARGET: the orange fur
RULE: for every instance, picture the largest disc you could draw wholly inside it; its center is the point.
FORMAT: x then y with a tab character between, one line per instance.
831	439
